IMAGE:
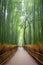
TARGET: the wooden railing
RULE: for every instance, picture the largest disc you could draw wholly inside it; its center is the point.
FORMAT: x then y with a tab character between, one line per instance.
6	55
38	56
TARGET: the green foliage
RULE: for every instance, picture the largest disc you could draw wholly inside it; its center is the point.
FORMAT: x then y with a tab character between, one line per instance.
17	15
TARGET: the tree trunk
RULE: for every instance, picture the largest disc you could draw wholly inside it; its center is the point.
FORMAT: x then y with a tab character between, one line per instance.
34	23
24	35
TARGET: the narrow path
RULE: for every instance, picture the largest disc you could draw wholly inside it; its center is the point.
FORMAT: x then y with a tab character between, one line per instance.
21	57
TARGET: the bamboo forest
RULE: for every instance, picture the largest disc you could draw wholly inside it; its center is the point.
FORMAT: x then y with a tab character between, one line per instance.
21	32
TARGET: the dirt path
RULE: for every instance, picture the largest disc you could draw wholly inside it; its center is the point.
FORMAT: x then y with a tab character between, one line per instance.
21	57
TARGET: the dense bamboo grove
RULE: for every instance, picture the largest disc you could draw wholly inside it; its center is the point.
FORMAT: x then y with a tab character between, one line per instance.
21	21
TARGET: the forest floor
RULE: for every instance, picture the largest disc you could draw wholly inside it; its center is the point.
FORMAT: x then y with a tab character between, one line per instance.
21	57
